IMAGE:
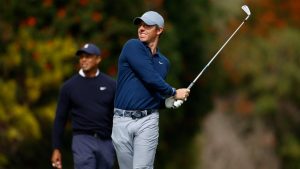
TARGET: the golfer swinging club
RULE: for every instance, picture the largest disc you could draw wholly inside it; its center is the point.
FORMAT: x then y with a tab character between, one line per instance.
141	91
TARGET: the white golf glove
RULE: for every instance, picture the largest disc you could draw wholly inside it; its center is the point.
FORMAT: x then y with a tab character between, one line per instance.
172	103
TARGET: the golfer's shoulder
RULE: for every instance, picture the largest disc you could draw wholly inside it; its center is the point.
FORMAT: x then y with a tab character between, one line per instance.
133	42
70	83
72	80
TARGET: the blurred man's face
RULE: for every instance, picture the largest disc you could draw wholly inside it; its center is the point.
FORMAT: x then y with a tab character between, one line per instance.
148	33
88	62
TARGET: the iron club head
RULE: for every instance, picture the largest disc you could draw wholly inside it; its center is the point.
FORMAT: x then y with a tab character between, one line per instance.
246	9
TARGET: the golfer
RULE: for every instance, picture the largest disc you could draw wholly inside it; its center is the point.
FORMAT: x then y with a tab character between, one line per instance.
141	91
88	97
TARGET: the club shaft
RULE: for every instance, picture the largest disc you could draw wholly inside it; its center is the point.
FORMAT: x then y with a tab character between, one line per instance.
194	81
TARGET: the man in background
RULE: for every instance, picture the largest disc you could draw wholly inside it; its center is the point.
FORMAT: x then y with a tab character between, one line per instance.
88	97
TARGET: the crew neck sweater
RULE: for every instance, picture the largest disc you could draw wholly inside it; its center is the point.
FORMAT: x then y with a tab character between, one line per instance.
89	103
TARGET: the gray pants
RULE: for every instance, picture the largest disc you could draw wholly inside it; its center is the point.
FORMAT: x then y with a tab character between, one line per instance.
135	141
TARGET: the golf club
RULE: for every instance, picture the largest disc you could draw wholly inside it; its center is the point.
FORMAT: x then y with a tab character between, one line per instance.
247	11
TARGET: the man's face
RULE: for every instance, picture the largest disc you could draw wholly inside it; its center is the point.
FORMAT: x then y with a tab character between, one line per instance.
148	33
88	62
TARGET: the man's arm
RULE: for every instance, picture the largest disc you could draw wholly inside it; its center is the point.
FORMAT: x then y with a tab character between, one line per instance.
60	120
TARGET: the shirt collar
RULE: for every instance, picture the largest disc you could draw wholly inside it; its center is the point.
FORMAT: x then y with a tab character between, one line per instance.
157	50
81	73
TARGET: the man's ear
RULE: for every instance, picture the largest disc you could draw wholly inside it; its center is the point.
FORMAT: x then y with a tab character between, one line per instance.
99	59
160	31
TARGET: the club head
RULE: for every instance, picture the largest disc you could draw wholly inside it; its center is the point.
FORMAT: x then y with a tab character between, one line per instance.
246	9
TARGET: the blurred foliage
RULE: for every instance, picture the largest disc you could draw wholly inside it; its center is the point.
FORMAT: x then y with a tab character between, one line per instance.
263	66
260	64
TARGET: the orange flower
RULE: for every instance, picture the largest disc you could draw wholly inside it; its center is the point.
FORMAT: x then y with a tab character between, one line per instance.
47	3
48	67
96	16
31	21
83	2
35	56
61	13
112	70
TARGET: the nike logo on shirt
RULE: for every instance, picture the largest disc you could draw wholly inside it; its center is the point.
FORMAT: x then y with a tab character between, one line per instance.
102	88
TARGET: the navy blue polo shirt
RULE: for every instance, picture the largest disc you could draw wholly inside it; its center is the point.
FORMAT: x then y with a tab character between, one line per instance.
141	78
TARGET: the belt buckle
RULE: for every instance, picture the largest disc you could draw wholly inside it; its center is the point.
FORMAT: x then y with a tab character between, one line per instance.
136	114
133	117
148	112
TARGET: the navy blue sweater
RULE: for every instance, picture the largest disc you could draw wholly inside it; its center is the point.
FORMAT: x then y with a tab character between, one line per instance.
140	81
90	102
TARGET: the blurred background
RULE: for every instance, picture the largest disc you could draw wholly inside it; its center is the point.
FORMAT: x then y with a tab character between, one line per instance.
244	111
